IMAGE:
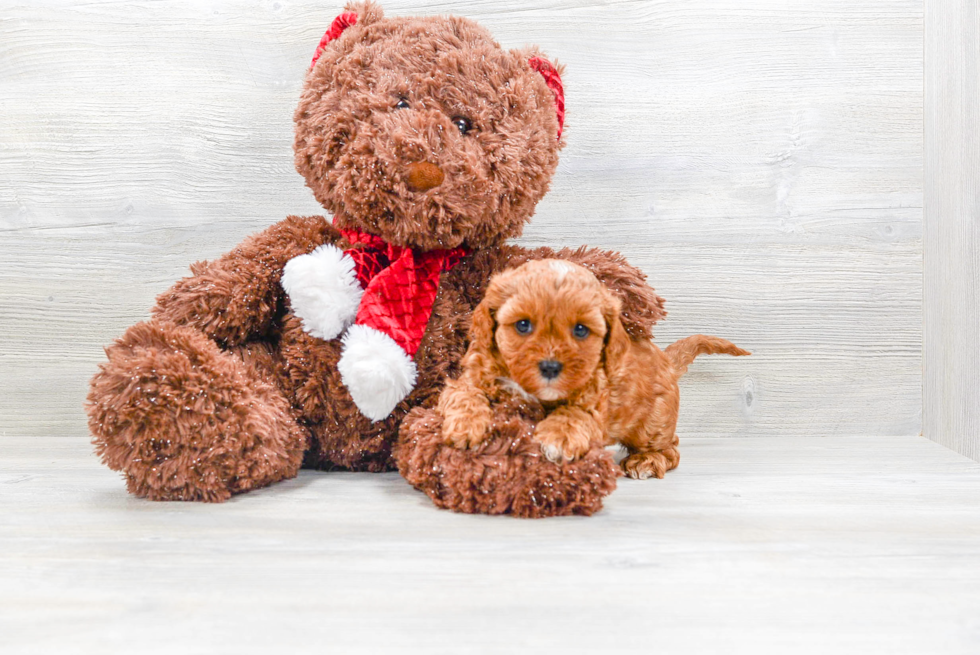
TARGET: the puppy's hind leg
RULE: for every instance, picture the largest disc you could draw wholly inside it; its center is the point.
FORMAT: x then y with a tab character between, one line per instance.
652	444
643	464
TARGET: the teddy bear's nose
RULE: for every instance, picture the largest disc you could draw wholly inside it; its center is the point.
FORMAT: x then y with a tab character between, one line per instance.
423	176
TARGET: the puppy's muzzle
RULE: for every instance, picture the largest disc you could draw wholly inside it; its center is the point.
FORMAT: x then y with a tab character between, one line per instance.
550	369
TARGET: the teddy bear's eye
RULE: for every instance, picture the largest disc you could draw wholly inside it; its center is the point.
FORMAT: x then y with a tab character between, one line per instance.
523	326
464	124
580	331
402	104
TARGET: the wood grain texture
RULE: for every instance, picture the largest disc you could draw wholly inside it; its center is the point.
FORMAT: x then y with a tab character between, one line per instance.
797	545
761	160
951	316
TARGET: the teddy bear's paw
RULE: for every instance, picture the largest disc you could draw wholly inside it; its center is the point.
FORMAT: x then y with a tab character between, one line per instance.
376	371
185	420
506	474
323	291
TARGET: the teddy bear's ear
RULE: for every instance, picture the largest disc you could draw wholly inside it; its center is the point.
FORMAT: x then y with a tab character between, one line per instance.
365	13
552	78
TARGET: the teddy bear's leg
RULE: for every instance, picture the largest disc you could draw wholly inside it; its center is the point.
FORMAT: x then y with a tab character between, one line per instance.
185	420
341	436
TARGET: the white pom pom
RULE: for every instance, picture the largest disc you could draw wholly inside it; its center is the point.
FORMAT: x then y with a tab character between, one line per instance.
376	371
323	291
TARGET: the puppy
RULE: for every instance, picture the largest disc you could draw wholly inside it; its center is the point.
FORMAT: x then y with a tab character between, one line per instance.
551	331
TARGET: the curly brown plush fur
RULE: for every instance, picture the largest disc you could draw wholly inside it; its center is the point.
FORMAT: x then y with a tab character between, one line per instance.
506	473
222	390
387	95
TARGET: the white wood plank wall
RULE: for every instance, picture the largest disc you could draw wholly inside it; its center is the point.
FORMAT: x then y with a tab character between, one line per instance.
951	345
761	159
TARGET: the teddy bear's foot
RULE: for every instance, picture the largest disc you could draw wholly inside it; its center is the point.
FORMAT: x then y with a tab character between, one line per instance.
505	473
186	421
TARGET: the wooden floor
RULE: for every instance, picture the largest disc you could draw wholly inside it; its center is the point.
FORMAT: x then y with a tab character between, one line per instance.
797	545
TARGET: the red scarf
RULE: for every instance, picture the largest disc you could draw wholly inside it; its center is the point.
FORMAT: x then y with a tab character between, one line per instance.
400	285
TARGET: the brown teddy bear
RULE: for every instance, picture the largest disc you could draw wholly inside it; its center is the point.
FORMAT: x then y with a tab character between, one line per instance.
309	342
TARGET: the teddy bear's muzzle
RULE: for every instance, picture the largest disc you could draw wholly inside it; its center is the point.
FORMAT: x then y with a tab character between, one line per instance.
423	176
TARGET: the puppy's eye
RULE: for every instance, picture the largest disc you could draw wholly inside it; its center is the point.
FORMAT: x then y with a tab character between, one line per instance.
402	104
523	326
463	124
580	331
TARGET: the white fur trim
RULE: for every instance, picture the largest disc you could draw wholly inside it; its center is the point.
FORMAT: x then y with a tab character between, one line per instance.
376	371
323	291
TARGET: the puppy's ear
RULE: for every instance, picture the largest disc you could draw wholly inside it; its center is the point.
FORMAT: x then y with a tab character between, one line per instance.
617	342
482	360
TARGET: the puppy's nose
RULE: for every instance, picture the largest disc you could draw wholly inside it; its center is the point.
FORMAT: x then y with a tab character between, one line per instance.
423	176
549	369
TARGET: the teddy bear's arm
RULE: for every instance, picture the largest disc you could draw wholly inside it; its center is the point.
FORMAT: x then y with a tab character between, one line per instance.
236	297
642	307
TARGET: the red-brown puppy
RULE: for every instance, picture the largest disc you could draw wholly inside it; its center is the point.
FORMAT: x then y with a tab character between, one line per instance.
549	329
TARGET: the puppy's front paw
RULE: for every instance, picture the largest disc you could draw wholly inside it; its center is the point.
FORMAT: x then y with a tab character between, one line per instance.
466	414
562	440
469	430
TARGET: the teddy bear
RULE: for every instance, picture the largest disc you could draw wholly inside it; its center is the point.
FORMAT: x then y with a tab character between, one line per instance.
308	343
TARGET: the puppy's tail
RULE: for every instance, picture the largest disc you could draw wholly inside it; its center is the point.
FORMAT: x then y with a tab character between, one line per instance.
682	353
